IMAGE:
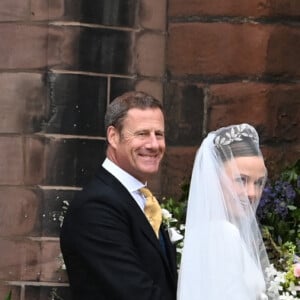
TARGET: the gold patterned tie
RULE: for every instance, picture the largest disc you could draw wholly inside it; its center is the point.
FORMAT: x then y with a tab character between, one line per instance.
152	210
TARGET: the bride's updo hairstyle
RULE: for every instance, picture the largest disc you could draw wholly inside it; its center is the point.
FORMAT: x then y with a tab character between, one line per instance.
236	141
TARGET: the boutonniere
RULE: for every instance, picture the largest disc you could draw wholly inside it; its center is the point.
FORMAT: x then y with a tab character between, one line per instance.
169	223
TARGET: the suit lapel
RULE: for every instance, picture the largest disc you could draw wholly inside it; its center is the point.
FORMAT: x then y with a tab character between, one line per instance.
171	251
140	218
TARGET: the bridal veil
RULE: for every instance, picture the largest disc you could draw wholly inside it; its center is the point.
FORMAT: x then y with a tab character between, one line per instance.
223	255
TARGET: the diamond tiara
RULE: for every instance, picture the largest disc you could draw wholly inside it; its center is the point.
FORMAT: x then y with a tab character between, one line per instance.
236	134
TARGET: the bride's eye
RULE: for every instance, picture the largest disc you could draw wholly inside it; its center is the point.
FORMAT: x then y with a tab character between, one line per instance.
260	183
241	180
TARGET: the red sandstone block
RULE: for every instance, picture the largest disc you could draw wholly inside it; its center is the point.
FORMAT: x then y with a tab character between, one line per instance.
282	56
153	14
14	10
11	160
37	46
217	49
35	160
150	53
22	106
237	103
280	156
243	8
63	46
25	46
177	169
222	49
272	109
19	260
62	162
19	212
5	288
17	10
51	263
43	10
284	104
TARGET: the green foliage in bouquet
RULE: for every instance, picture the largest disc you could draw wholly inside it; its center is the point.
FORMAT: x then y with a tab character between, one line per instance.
178	207
174	214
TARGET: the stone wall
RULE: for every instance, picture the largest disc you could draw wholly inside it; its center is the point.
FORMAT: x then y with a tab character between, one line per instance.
61	63
228	62
211	62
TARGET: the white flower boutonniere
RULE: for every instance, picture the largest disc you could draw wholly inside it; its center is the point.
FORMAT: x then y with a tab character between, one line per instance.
168	220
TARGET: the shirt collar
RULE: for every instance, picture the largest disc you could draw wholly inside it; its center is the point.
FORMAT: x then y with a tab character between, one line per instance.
127	180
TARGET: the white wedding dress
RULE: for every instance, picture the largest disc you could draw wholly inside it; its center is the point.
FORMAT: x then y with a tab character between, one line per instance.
242	279
223	255
232	273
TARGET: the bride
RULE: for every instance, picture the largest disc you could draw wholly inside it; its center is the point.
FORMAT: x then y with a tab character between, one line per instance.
223	256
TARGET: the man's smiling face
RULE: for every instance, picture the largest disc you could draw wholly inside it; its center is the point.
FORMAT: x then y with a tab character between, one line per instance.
139	147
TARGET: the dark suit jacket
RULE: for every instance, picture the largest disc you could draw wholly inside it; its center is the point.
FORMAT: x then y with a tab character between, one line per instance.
110	249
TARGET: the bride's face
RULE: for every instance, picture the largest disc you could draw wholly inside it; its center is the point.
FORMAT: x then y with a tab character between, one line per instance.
247	176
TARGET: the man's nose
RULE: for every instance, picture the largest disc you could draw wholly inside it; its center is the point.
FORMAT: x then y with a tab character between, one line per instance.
153	141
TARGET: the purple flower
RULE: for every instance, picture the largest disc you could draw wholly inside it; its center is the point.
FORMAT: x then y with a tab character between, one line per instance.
290	192
276	198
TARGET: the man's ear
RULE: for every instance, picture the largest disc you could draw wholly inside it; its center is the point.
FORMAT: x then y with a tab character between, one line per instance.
113	136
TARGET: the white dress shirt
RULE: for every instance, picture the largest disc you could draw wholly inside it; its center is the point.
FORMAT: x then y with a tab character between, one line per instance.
129	182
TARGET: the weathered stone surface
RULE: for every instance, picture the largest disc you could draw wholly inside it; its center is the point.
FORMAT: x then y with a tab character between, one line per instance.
31	261
63	47
177	170
152	87
279	157
71	162
272	109
5	288
20	210
184	106
47	292
212	50
20	260
153	14
51	262
34	160
119	86
11	160
25	46
22	105
105	51
282	52
25	10
217	49
108	12
55	204
251	47
52	10
77	104
240	8
150	54
14	10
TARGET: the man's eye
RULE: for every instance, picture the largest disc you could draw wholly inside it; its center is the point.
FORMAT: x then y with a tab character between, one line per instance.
159	134
142	134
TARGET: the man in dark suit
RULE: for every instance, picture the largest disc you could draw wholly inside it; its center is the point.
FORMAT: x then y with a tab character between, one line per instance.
110	249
